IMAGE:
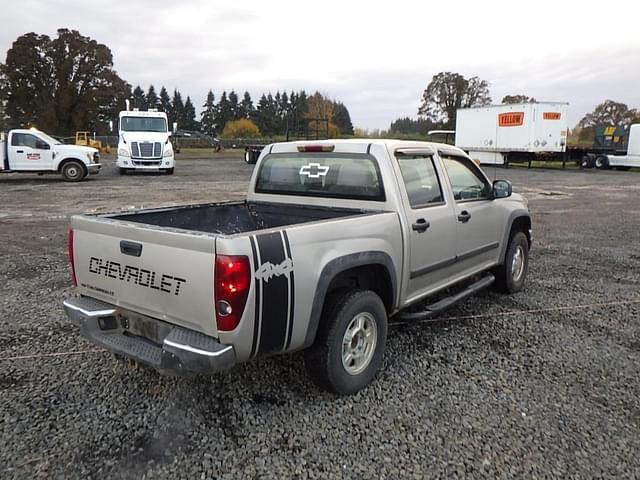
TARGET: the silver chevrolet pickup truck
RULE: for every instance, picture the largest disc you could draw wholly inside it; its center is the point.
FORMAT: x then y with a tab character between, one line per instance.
333	239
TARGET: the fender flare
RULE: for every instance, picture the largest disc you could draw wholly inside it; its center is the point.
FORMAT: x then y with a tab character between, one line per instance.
66	160
516	214
336	267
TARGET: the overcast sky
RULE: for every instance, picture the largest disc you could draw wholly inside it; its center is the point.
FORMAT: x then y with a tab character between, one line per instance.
376	57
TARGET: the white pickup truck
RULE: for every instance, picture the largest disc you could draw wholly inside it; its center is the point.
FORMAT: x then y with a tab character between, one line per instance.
333	239
33	151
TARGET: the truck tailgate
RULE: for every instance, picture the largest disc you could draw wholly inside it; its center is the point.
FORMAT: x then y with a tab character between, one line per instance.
162	273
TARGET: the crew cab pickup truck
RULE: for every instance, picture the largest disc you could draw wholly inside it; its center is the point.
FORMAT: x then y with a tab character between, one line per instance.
33	151
333	239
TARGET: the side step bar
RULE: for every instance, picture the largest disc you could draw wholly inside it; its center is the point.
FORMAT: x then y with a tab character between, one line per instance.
446	303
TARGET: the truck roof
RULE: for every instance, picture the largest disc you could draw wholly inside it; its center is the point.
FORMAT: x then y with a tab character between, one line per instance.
503	105
142	113
362	145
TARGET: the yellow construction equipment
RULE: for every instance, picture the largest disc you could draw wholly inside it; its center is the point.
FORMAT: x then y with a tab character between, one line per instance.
84	139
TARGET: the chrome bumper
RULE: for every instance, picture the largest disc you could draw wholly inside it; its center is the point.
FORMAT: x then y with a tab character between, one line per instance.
180	352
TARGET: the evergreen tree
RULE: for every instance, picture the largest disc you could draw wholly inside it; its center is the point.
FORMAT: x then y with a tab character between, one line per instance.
208	115
190	115
342	118
139	98
165	106
152	98
223	114
246	106
234	107
177	107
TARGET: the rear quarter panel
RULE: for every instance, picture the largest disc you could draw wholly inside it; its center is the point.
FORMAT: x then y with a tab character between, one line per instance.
286	265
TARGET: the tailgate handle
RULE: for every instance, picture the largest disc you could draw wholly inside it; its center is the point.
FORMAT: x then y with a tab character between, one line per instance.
131	248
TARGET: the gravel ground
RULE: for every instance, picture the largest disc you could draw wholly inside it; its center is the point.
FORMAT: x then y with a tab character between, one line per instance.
535	395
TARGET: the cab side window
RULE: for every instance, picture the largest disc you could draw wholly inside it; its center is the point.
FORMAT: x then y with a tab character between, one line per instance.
24	140
466	180
421	180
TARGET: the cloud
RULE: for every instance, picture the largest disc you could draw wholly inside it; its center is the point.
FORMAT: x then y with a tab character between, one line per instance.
377	58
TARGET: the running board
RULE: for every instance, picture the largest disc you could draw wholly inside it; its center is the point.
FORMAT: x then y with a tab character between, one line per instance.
446	303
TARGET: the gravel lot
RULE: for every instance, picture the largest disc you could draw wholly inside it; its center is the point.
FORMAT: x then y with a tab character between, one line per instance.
533	395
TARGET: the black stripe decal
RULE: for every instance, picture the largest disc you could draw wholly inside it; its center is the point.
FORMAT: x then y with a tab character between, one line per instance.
275	288
292	291
450	261
256	321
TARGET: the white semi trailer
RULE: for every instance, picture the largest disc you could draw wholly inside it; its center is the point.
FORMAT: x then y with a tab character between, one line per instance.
499	133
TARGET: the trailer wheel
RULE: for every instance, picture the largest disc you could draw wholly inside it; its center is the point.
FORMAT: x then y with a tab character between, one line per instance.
349	346
602	162
73	171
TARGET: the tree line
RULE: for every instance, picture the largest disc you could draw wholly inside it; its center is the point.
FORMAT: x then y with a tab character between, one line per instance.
68	83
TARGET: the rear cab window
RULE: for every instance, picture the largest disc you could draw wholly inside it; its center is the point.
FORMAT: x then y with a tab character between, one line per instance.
421	180
330	175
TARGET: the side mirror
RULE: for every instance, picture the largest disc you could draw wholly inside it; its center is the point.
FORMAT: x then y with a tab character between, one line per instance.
502	189
175	127
111	126
169	134
42	145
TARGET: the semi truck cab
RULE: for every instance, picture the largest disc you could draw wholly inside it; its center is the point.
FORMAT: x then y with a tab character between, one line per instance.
144	142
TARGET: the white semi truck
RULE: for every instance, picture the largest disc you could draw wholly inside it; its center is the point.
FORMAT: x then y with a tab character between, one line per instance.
144	142
33	151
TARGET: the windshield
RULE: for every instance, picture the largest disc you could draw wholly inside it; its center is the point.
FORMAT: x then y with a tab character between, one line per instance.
354	177
143	124
49	139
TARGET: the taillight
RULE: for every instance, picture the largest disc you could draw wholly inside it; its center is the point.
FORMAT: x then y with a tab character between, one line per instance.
316	148
232	282
71	261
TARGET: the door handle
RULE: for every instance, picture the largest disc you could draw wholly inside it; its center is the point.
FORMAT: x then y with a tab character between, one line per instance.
19	151
420	226
464	216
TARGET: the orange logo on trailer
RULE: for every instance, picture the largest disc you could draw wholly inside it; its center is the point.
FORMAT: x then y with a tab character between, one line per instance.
551	115
511	119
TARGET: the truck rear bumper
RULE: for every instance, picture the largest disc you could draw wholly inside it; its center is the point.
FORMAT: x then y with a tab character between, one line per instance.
181	351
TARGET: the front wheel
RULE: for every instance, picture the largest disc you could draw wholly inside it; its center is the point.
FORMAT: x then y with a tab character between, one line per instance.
247	156
73	171
511	275
349	344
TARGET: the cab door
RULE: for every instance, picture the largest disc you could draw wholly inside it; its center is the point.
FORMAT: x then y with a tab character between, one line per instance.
29	152
432	227
478	222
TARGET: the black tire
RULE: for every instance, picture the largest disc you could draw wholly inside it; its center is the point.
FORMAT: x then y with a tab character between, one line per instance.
169	171
601	162
248	156
122	171
324	359
73	171
509	277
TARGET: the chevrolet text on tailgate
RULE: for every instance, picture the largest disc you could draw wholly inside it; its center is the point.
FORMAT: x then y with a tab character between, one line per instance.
334	238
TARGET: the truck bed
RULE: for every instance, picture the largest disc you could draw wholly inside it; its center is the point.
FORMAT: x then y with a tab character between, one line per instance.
231	218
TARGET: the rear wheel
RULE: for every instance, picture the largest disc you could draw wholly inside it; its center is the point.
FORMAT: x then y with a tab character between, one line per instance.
511	275
602	162
73	171
349	344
